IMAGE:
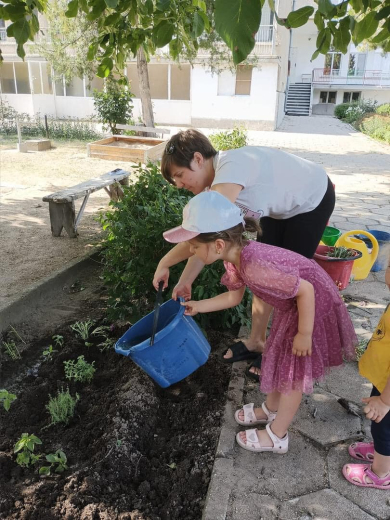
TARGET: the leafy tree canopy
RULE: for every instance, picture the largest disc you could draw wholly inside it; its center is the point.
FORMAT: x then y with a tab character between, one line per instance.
124	25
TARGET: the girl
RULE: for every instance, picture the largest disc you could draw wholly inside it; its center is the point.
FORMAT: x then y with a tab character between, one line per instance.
293	197
311	328
375	366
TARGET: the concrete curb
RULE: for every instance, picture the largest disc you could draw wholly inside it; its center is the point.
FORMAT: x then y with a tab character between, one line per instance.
220	487
44	291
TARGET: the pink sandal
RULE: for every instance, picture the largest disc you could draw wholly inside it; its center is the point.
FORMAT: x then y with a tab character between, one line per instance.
363	476
362	451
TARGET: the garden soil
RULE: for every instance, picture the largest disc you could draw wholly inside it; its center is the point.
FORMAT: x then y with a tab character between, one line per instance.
28	252
135	451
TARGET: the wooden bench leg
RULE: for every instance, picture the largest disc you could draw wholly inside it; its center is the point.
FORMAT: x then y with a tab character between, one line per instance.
115	191
62	215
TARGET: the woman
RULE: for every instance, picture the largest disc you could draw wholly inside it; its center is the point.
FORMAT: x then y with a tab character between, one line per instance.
292	197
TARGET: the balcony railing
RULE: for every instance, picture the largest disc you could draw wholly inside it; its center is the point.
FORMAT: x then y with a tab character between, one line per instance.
264	40
375	78
3	34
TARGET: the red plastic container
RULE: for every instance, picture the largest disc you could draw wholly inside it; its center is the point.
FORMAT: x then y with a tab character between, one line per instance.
339	269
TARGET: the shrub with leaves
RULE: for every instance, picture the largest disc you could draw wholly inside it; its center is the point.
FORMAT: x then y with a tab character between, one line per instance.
134	245
83	329
25	447
236	138
113	105
57	461
383	110
7	399
79	370
341	110
376	126
61	408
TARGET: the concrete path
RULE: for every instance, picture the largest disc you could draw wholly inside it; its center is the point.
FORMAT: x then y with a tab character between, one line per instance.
306	483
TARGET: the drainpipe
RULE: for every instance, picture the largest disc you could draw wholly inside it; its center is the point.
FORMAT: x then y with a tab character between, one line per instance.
289	63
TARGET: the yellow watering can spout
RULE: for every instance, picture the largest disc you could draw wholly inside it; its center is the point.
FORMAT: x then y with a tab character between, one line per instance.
362	266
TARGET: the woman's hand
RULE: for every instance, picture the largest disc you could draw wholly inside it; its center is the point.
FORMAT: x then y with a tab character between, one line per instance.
302	345
375	408
161	274
182	289
192	307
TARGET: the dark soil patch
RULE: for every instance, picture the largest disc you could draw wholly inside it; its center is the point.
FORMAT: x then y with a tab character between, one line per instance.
135	451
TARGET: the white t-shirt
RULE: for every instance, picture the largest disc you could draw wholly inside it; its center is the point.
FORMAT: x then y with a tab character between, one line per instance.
275	183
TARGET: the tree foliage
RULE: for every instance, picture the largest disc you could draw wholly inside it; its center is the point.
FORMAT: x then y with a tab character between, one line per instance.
124	25
113	105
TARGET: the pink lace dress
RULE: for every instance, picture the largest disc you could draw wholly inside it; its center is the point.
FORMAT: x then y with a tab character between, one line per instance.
273	274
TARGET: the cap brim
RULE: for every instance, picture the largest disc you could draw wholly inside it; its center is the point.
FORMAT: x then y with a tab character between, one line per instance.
179	234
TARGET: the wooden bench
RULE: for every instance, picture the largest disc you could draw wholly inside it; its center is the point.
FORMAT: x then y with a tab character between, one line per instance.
61	204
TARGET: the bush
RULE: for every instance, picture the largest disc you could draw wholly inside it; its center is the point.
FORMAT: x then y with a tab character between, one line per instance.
383	110
134	245
61	408
352	112
375	126
236	138
340	110
113	105
79	370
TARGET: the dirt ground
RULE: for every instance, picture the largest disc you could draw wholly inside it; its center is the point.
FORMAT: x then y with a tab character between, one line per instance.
28	252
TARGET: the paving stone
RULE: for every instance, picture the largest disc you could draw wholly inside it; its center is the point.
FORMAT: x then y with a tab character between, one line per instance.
347	383
324	504
322	419
253	506
373	501
362	222
220	486
301	470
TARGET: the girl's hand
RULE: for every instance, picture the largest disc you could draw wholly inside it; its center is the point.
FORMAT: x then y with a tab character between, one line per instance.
302	345
375	408
182	289
192	307
161	274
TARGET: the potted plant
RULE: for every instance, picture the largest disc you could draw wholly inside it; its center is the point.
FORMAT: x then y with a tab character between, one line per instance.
337	262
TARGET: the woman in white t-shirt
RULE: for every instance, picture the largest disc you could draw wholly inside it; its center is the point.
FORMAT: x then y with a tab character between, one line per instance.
293	198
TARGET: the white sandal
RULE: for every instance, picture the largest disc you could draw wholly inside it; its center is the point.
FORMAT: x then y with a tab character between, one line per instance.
250	417
252	442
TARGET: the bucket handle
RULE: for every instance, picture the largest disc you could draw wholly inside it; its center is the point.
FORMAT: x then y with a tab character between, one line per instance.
157	306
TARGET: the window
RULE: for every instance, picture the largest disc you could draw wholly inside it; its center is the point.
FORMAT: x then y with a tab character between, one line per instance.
47	86
95	84
243	80
40	74
332	63
180	82
35	72
356	64
349	97
7	78
158	81
75	88
60	87
328	96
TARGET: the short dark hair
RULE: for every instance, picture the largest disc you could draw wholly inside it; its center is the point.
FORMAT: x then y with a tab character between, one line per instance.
180	151
235	235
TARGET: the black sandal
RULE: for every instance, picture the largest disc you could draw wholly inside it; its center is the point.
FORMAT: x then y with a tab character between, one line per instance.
240	353
255	364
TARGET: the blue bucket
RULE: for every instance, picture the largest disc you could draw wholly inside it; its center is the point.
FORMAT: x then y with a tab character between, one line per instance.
179	346
383	239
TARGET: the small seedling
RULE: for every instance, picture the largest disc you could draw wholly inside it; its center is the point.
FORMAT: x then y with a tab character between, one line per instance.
26	445
48	352
14	331
61	408
7	399
57	461
83	328
172	465
341	252
11	350
58	340
108	343
79	370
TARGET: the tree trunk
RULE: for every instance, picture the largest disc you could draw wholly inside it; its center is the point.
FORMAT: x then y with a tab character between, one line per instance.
143	79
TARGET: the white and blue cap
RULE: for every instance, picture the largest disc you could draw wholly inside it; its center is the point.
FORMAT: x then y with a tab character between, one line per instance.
208	212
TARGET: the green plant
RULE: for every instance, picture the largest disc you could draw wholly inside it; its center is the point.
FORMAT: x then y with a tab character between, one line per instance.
79	370
108	342
11	350
383	110
83	328
134	245
58	340
57	461
340	110
228	140
25	448
113	105
48	353
7	399
61	408
361	348
376	126
341	252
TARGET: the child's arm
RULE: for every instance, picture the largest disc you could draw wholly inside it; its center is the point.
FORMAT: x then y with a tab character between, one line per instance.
218	303
306	310
377	406
176	255
387	275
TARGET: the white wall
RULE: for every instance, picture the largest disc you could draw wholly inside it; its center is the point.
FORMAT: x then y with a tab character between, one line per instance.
260	105
303	46
20	102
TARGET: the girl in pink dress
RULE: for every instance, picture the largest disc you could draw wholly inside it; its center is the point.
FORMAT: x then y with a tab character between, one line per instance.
311	329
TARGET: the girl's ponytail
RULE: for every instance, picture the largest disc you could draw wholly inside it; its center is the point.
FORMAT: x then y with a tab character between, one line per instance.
252	226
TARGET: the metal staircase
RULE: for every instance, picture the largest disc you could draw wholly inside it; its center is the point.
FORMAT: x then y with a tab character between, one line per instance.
298	99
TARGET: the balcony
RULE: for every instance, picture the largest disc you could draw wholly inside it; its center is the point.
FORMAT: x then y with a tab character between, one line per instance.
3	34
264	39
369	78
